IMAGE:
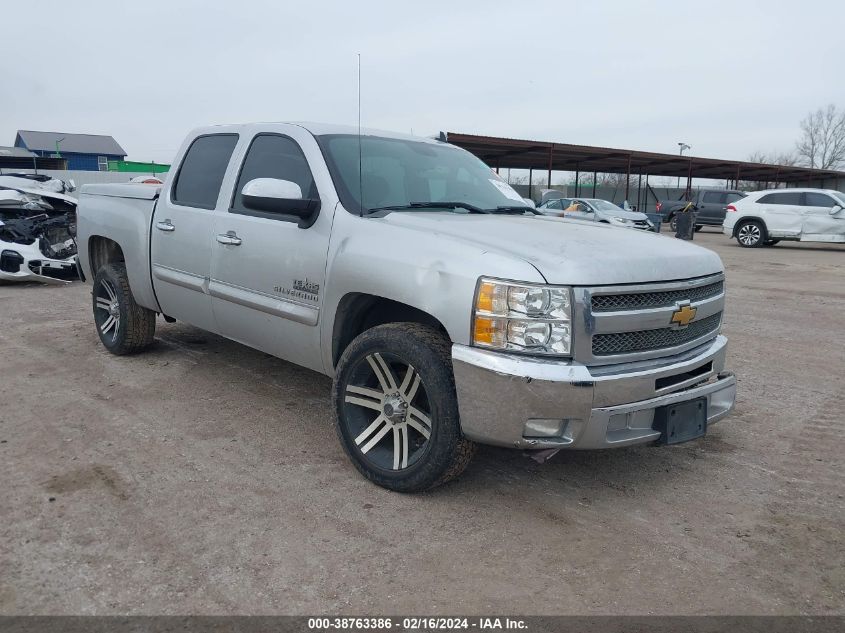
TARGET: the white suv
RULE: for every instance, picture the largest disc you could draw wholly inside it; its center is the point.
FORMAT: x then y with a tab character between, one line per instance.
764	218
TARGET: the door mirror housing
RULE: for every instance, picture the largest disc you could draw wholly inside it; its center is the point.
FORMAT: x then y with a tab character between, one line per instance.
274	197
836	209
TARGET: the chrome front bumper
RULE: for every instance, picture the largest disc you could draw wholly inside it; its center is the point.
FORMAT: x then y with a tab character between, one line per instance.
534	403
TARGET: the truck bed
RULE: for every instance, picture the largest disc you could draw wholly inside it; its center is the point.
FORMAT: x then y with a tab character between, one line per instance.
123	190
121	213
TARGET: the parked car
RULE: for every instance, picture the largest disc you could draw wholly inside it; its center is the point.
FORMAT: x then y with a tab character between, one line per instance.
764	218
447	311
147	180
37	228
597	211
710	207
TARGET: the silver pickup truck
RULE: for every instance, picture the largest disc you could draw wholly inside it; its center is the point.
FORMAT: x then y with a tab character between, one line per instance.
446	310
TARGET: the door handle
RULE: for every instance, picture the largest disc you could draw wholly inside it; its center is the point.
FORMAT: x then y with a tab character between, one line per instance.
229	238
165	226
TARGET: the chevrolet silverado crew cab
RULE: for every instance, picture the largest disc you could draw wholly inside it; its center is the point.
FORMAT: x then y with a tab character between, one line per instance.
447	311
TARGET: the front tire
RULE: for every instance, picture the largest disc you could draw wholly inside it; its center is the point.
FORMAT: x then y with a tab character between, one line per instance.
751	234
123	326
396	410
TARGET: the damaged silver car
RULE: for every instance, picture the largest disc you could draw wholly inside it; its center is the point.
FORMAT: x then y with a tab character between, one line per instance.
37	229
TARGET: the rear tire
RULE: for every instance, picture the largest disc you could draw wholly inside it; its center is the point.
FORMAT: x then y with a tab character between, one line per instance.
673	223
396	410
751	234
123	326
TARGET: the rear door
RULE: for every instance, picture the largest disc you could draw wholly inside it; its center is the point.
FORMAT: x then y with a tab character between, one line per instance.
819	225
711	207
552	207
182	231
783	213
267	273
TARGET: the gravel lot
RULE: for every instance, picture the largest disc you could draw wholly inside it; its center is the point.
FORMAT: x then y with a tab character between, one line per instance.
205	477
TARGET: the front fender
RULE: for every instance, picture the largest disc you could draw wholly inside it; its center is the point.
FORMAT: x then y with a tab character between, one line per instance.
431	272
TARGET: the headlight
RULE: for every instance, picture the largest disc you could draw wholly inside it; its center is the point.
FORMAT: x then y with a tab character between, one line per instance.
622	220
522	317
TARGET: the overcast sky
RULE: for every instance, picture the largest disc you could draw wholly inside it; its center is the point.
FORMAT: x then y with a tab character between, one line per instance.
728	78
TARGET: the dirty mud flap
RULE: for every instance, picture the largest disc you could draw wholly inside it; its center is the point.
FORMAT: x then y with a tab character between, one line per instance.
681	422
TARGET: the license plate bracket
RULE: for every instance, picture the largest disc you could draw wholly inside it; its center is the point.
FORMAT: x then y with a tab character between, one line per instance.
681	422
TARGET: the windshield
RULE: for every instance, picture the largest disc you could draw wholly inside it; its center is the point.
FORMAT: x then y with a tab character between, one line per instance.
400	173
603	205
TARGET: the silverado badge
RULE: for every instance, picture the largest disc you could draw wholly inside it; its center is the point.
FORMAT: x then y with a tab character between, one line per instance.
683	316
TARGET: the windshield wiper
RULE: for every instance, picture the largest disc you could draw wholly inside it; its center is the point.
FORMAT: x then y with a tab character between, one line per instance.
515	209
429	205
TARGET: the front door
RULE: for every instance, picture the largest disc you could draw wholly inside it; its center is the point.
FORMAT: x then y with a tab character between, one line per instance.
267	273
819	224
183	228
582	211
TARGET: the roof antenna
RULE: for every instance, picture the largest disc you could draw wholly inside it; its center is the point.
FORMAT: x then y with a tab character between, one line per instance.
360	159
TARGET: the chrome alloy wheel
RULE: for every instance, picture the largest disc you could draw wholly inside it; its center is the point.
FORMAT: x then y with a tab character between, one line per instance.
749	234
388	418
107	313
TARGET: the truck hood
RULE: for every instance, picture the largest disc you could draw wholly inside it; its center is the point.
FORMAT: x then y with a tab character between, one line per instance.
569	252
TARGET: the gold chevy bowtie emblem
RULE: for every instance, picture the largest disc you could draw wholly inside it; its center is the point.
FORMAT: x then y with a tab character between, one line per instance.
683	316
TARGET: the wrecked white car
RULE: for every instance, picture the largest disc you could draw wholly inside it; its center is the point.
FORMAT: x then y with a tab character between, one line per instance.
37	228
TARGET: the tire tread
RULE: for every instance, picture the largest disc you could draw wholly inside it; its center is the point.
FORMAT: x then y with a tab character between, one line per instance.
139	329
458	452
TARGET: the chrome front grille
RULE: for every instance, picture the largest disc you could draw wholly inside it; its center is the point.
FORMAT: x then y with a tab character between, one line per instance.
634	322
645	340
647	300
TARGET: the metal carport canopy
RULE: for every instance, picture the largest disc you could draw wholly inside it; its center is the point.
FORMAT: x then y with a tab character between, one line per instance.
543	155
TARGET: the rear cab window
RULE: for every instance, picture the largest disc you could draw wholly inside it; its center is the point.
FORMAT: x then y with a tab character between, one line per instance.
201	172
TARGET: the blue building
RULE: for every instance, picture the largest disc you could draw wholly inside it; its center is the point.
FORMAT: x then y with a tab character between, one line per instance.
84	152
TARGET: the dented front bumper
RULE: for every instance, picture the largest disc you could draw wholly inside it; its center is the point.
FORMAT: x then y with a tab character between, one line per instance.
25	262
535	403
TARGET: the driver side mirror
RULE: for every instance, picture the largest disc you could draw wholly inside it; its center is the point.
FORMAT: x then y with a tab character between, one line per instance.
836	209
272	197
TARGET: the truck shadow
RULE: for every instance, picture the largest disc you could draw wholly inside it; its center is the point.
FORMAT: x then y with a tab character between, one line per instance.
512	472
625	470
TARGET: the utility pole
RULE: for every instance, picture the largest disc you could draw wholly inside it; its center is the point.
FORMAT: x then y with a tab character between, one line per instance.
681	147
58	155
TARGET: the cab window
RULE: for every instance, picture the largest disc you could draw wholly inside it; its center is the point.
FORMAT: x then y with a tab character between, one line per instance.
201	173
273	156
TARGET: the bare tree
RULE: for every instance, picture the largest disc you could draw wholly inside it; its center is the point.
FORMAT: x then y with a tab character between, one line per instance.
822	144
782	159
